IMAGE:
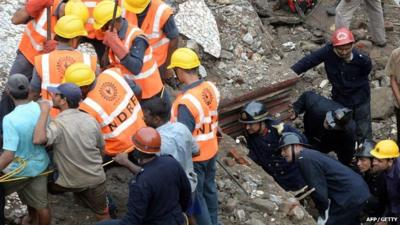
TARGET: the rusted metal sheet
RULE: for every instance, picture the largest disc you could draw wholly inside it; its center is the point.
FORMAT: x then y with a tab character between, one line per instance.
275	96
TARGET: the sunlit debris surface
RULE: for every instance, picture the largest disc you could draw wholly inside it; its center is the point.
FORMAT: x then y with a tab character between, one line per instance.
195	20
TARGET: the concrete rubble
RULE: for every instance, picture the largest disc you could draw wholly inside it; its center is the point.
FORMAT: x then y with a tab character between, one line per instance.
240	52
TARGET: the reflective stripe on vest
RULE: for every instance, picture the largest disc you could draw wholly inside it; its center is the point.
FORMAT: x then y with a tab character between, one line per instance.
149	77
116	109
107	119
38	47
46	69
152	27
202	119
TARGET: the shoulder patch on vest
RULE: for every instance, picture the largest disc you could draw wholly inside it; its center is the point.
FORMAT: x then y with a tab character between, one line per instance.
108	91
207	96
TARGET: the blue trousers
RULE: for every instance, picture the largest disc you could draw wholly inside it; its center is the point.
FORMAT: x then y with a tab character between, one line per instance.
206	192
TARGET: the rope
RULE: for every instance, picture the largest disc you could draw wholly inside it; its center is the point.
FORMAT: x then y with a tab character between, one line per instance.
22	178
15	171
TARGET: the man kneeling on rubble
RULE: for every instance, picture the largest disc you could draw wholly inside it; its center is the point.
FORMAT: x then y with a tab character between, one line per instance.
160	192
262	134
77	145
328	125
21	156
340	193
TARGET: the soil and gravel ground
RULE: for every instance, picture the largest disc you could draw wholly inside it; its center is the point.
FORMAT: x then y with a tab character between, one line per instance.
235	206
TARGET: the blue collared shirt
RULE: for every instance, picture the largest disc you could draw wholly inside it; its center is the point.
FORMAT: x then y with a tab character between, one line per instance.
350	84
177	141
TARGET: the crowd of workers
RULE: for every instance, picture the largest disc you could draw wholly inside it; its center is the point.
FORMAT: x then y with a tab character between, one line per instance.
89	113
364	181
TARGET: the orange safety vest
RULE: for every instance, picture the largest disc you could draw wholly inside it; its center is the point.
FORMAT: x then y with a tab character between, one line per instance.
114	105
92	33
149	77
157	16
202	102
35	34
51	68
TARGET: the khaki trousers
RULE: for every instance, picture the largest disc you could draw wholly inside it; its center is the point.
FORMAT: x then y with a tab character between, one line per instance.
345	10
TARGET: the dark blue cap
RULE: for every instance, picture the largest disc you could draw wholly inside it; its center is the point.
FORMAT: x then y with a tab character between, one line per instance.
69	90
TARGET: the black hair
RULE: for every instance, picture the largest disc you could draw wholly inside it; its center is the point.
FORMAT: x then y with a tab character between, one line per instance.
71	104
61	39
20	95
157	106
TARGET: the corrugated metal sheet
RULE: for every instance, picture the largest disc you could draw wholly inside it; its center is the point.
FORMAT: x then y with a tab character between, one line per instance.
275	96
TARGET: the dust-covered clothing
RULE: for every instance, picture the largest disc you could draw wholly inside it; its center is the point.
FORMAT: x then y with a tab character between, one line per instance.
77	143
31	191
95	197
393	65
177	141
346	9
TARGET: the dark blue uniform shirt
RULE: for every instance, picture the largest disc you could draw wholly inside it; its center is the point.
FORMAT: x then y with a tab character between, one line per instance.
159	194
393	187
315	107
331	180
263	150
350	85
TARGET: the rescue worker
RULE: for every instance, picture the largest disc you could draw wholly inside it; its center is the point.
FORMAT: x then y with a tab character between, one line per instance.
33	41
111	101
340	193
130	50
347	70
77	149
176	139
377	203
344	13
156	19
160	192
18	150
196	107
50	67
328	125
94	37
393	71
386	159
262	135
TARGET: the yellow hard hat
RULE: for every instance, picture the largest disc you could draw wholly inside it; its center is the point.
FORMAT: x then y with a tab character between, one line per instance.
77	8
103	12
136	6
385	149
70	27
80	74
184	58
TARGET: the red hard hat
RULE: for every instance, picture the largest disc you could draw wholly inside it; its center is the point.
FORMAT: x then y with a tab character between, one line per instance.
342	36
147	140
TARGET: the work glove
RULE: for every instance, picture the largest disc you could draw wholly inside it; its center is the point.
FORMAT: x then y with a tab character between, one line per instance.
112	40
49	46
35	7
322	219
